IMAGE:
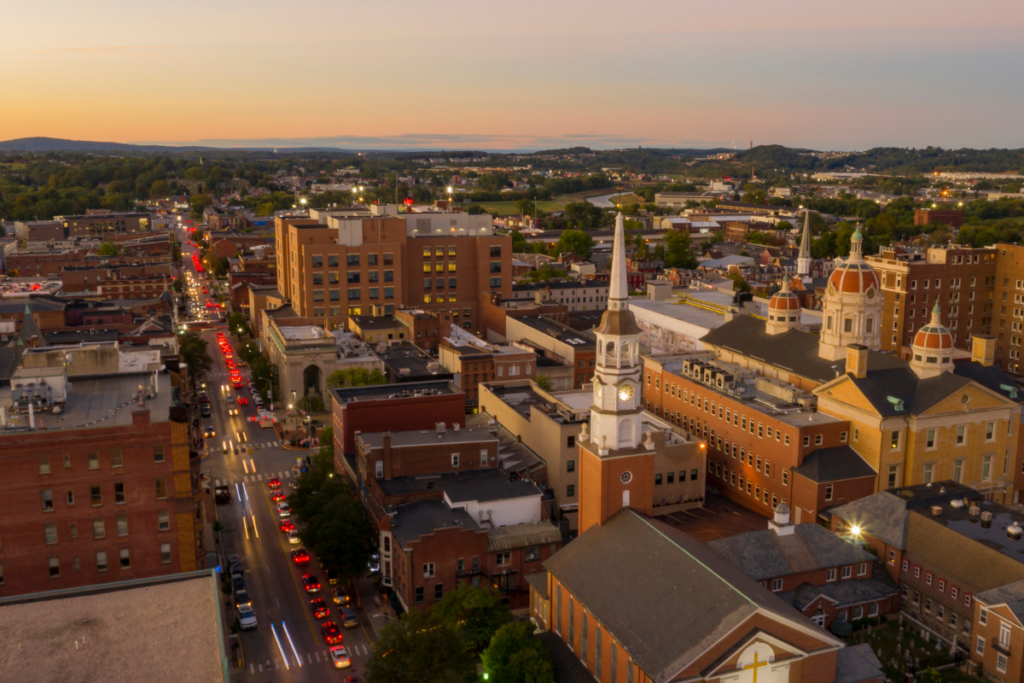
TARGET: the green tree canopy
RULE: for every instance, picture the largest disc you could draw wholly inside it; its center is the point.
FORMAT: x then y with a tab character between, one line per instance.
421	648
576	241
516	655
477	612
107	249
678	253
519	243
192	348
355	377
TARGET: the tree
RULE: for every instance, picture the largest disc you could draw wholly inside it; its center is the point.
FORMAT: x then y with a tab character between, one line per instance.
192	348
543	274
678	253
739	284
355	377
545	383
477	612
420	647
516	655
159	188
576	241
238	325
519	243
107	249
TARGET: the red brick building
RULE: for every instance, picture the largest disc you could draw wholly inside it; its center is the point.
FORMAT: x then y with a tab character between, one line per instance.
97	503
951	217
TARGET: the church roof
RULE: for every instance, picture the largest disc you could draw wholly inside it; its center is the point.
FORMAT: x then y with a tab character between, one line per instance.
30	329
918	395
767	555
669	574
857	663
834	464
793	350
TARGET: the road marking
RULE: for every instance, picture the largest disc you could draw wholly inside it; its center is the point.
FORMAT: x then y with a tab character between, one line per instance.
278	601
317	656
252	668
309	658
216	482
261	667
246	478
259	477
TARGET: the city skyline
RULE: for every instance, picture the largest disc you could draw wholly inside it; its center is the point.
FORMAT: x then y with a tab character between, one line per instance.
458	75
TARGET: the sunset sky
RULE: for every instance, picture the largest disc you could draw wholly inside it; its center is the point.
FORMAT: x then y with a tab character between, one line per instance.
524	75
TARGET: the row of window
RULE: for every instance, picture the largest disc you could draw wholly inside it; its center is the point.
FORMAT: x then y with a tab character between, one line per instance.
747	485
428	283
353	277
353	259
613	654
99	530
116	459
354	294
940	610
96	494
439	267
954	591
124	561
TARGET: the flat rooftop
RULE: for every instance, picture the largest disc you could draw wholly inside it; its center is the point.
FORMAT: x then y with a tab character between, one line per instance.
165	630
424	437
383	392
473	484
521	397
303	333
407	360
109	402
412	521
560	332
990	534
376	322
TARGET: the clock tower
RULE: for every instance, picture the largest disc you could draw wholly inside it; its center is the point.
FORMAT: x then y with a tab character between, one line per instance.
616	470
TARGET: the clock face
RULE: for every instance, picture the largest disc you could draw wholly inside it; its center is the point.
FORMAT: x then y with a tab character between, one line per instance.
625	392
626	477
832	290
871	292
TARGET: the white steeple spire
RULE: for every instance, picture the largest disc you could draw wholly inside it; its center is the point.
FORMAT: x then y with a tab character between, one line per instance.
803	262
618	292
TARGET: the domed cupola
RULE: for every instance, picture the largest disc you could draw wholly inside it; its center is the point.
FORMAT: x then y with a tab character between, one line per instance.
783	310
932	350
852	306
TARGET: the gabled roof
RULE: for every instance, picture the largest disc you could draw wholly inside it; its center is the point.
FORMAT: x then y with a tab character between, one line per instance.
857	663
834	464
793	350
670	574
1011	595
767	555
882	515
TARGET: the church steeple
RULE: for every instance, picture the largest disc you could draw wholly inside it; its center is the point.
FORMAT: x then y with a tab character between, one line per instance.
803	262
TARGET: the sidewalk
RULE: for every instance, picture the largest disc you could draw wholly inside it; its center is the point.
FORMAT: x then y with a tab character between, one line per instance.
376	609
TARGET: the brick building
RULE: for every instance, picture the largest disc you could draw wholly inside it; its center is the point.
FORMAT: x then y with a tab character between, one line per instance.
823	575
474	362
951	217
416	405
108	491
101	223
557	342
495	311
371	263
582	295
427	328
961	280
1008	307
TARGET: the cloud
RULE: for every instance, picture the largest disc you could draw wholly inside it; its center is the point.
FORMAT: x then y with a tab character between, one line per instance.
108	50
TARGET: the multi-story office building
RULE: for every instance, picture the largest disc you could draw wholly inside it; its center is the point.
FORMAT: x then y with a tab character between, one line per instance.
1008	308
961	280
100	223
373	262
108	491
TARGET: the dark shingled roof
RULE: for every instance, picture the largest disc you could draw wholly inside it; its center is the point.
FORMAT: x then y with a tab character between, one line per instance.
793	350
539	582
415	520
991	377
680	576
767	555
1011	595
834	464
845	593
856	664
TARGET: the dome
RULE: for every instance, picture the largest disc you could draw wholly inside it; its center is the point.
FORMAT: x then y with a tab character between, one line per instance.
854	278
934	335
784	300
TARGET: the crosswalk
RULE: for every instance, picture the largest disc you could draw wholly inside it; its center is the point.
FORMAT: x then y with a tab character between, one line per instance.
229	446
255	478
355	652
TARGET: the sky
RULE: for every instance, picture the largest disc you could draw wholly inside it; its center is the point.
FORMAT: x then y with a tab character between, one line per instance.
533	74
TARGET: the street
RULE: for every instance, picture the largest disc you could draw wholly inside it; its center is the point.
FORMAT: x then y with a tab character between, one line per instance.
287	644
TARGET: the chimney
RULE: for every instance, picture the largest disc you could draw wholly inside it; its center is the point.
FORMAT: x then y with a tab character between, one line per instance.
857	360
983	349
140	418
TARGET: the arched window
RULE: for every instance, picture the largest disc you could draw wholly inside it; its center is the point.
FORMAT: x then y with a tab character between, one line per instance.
829	325
858	612
841	616
873	609
819	617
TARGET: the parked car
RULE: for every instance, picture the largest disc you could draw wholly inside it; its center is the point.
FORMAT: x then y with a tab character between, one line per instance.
349	617
246	617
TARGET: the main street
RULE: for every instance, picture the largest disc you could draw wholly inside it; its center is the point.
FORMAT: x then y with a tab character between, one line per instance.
287	644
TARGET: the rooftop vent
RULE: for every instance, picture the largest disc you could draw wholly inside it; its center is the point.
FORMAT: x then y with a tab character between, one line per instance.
936	510
974	511
1014	531
986	516
956	503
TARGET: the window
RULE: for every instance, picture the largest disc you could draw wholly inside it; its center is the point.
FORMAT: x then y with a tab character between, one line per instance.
419	594
917	572
352	259
958	470
828	492
455	459
942	585
893	476
954	592
1000	658
116	459
119	497
165	553
161	488
776	585
67	461
428	570
570	490
785	477
929	472
892	557
504	559
47	497
163	520
122	525
930	439
94	461
438	591
961	435
126	558
807	441
1004	637
50	530
585	623
44	464
983	617
986	468
830	575
54	565
657	479
158	453
980	647
894	439
74	530
906	564
862	569
98	529
95	496
533	554
847	572
570	465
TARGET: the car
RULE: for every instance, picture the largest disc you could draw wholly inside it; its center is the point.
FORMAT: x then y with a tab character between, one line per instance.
374	563
237	384
300	556
234	564
332	634
339	656
232	411
246	617
227	399
331	576
209	432
242	598
274	483
340	597
310	583
204	410
320	608
204	291
283	509
204	397
277	496
287	525
349	617
237	583
243	401
293	537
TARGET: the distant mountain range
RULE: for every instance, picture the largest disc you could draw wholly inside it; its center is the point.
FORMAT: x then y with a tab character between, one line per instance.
59	145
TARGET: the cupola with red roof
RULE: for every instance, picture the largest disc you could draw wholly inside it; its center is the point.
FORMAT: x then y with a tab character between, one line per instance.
783	310
932	351
852	306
